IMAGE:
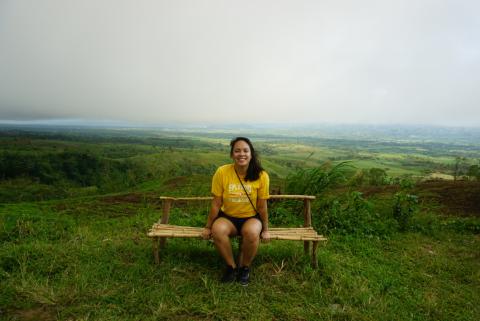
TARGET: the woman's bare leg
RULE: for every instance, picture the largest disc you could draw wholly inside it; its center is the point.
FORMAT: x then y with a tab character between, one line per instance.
250	239
222	229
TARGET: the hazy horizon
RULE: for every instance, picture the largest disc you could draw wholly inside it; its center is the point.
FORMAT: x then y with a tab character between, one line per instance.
224	62
280	125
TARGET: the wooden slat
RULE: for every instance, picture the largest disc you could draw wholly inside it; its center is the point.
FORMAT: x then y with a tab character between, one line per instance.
169	226
159	225
161	233
291	228
174	227
298	197
170	231
294	234
201	198
297	238
294	230
185	233
206	198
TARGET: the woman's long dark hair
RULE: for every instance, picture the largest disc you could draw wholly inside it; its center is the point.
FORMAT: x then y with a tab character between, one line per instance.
254	167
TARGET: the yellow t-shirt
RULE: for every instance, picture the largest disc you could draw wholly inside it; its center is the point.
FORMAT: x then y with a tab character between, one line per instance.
225	184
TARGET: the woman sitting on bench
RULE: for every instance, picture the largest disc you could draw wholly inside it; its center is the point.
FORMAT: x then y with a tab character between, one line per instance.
239	207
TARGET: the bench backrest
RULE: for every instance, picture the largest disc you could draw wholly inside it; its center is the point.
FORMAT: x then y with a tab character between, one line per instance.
307	215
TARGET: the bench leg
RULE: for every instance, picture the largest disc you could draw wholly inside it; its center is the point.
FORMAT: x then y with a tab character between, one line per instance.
314	254
306	247
163	241
156	250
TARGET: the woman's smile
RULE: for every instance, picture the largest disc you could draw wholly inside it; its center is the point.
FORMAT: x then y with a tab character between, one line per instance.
241	153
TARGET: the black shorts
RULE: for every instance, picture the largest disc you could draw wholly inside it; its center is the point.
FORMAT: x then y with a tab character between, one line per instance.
238	221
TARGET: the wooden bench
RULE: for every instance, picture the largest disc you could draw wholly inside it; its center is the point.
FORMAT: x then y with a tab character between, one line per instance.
161	230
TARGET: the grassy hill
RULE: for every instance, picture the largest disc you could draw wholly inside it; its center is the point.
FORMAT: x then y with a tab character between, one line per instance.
80	251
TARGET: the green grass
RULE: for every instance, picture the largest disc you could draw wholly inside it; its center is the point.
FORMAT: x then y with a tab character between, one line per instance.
393	168
87	256
89	259
157	155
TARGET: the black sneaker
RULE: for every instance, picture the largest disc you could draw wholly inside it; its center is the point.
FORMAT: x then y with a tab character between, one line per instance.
229	275
243	275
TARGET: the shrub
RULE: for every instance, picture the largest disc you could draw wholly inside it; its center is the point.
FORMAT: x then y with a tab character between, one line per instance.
377	176
352	214
284	216
358	178
463	225
474	172
404	207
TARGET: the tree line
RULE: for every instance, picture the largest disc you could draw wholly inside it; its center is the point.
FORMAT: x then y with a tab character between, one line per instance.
76	168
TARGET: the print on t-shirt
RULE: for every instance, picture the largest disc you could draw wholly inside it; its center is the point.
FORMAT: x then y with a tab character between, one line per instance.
237	194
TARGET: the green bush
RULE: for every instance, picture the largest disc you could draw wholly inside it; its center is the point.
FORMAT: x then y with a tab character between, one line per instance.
463	225
474	172
285	216
377	176
404	207
352	214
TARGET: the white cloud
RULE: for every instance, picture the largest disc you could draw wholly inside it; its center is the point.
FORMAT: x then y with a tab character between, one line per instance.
253	61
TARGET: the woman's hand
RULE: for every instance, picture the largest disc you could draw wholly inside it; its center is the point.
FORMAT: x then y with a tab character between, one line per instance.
265	236
206	233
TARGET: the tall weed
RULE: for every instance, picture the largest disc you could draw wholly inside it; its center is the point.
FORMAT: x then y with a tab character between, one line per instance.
314	181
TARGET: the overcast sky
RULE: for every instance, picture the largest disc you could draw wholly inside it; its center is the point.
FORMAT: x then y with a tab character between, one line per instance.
219	61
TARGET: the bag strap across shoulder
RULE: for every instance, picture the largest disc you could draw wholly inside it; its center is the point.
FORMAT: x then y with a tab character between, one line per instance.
245	191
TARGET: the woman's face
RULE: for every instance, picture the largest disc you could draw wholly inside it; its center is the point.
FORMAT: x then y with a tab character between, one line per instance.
241	153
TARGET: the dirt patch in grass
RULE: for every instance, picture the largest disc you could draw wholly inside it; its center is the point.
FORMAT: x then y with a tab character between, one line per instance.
43	313
369	191
133	198
461	198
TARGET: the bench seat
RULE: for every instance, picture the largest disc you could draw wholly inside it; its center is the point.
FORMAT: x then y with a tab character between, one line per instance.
276	233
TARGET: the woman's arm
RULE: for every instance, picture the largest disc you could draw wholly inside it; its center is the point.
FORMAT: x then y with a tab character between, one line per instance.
214	209
263	211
